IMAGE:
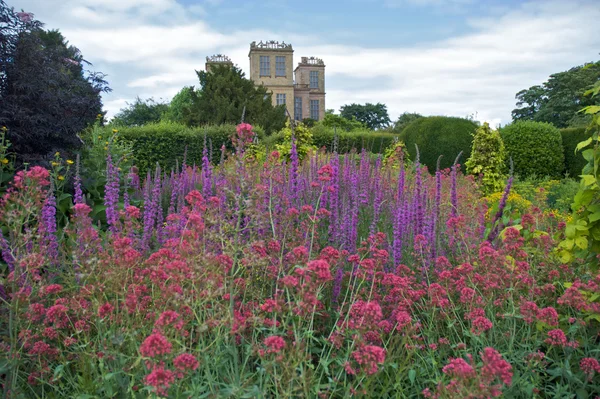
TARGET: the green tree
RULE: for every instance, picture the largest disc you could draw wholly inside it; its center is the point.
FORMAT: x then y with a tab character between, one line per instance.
558	100
332	120
225	93
373	116
404	120
47	96
487	159
140	112
181	105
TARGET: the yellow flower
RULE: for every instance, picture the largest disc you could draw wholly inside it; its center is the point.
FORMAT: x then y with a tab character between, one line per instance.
99	116
4	161
4	128
54	163
115	131
69	162
99	136
57	154
106	142
61	177
105	148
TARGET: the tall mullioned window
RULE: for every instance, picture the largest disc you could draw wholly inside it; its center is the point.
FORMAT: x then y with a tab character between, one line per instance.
314	79
279	66
314	109
280	99
298	108
265	65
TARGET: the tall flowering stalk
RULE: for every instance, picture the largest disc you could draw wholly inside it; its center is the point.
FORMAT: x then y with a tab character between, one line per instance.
78	196
496	222
436	209
111	193
293	174
48	227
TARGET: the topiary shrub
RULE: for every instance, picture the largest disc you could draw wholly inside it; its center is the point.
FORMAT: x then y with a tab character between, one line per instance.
535	148
574	162
487	159
439	135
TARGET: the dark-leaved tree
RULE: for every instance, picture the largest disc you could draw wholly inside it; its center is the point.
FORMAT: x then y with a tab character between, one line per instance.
140	112
46	95
404	120
559	99
373	116
225	93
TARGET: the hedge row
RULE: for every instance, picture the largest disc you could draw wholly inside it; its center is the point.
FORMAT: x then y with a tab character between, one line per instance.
574	162
372	141
166	143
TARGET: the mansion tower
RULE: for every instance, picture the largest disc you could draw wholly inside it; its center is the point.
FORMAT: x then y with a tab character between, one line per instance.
302	90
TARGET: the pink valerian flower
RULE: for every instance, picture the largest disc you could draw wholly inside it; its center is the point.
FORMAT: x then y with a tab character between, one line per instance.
105	310
529	311
155	345
403	319
186	362
244	135
169	317
364	314
459	368
369	357
480	325
160	379
495	366
589	366
556	337
321	269
53	289
548	315
325	173
274	344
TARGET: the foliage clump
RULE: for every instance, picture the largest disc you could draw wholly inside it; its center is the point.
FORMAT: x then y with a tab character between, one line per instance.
571	137
488	159
303	139
535	148
395	155
439	135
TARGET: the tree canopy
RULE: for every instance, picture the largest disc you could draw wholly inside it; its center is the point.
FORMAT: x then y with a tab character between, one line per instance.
141	112
46	94
181	106
374	116
558	100
404	120
333	120
225	93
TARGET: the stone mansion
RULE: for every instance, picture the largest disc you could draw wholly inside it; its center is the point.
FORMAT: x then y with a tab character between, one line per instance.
302	91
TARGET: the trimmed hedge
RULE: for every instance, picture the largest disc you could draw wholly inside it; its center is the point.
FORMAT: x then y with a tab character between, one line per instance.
535	148
165	143
372	141
574	162
439	135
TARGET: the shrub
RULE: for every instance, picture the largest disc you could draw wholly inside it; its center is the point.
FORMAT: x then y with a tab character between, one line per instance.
376	142
166	143
487	159
535	148
303	139
439	135
574	162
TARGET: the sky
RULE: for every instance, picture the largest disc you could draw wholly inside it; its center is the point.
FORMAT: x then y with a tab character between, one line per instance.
435	57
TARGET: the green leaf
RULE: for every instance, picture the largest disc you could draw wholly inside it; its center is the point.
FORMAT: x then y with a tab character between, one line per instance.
588	180
412	374
583	144
594	217
581	242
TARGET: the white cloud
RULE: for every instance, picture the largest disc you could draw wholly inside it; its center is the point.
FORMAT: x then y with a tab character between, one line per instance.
152	47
